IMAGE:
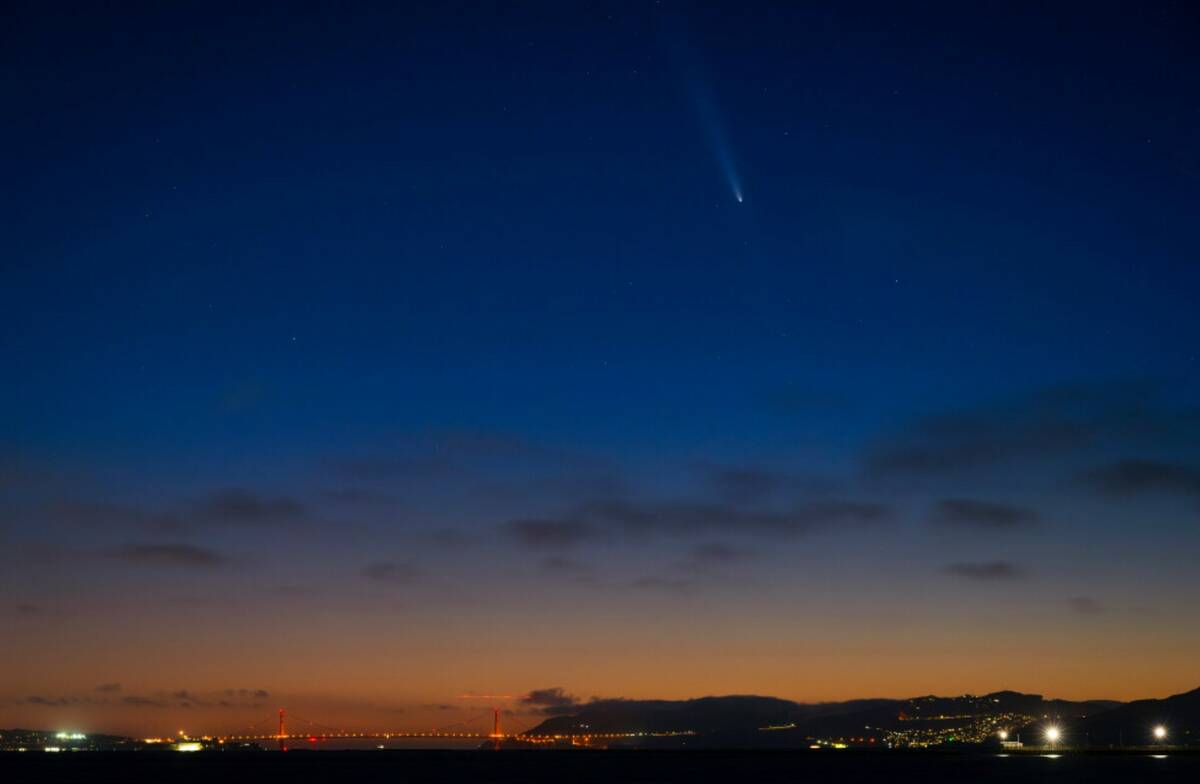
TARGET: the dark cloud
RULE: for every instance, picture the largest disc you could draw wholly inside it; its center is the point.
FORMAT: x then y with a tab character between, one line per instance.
455	454
986	570
744	484
717	553
685	518
385	467
234	507
596	520
570	484
1135	477
551	702
756	485
709	558
29	610
52	702
447	537
180	698
185	555
394	572
358	497
557	564
1049	423
238	506
1086	605
549	534
106	516
487	468
665	584
187	699
955	443
982	515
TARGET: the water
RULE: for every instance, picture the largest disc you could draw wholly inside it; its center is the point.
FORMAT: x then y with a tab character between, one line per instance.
594	767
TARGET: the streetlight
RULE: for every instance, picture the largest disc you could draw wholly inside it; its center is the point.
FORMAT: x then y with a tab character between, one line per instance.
1003	734
1053	734
1160	733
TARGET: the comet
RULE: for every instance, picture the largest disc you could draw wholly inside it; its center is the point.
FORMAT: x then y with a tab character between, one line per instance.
714	129
689	67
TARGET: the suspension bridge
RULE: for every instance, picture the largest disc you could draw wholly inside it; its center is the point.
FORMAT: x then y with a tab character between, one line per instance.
285	734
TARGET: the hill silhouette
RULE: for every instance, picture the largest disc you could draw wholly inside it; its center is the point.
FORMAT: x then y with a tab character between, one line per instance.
1133	723
760	721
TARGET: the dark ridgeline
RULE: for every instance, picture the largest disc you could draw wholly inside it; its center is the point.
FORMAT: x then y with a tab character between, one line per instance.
1133	723
922	722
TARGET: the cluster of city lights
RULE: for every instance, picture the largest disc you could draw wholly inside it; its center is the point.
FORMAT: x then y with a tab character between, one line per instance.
1053	734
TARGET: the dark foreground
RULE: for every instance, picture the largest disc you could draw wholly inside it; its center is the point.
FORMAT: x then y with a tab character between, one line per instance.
582	767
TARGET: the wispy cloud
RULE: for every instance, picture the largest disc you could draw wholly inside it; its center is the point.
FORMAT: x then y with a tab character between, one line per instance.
1132	477
966	513
394	572
1086	605
240	507
549	534
1047	424
986	570
599	520
183	555
664	584
230	507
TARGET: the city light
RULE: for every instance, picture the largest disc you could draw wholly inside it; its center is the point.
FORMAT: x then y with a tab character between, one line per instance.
1053	734
1160	732
1003	734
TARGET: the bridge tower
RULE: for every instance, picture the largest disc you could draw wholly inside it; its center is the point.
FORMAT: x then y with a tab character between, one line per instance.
282	732
497	737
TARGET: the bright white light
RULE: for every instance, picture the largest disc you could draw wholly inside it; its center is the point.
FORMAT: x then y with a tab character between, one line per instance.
1003	734
1160	732
1053	734
188	747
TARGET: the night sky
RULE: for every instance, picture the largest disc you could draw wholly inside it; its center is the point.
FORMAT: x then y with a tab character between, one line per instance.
360	358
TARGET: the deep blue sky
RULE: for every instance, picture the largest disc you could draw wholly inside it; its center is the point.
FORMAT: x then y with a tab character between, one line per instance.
329	291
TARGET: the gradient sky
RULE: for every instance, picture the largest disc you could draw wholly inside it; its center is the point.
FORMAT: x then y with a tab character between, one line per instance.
360	359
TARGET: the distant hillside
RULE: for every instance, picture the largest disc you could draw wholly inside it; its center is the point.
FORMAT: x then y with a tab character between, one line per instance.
1133	723
756	721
